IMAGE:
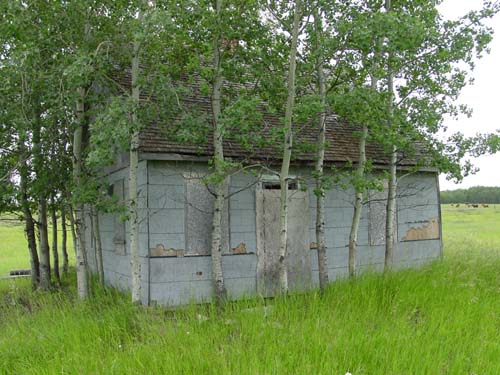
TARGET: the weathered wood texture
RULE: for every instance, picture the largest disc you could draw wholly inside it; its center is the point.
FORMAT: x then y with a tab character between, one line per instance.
298	259
199	203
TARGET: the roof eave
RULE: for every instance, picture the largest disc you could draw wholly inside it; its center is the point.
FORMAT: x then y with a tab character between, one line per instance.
166	156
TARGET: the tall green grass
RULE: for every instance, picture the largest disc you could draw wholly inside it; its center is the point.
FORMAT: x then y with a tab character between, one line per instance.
443	318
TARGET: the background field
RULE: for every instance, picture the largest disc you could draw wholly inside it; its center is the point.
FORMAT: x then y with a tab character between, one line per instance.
476	224
441	319
13	253
13	246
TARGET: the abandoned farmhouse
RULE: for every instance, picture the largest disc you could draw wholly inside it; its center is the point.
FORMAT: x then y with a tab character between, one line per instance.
175	209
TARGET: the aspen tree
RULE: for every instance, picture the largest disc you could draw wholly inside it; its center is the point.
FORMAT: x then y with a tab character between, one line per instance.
221	184
320	157
134	162
98	245
64	239
55	250
79	226
287	147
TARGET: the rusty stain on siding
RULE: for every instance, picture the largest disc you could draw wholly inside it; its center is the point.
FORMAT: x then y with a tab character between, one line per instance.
428	231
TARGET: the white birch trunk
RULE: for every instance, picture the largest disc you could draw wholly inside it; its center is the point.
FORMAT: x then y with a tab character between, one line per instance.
29	229
391	211
220	186
64	240
320	158
43	239
29	222
43	244
287	151
79	220
98	246
358	203
73	229
217	271
55	250
392	181
133	192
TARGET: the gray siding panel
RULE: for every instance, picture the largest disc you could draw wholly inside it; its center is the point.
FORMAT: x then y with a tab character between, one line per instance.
185	279
179	280
168	221
196	268
167	196
117	266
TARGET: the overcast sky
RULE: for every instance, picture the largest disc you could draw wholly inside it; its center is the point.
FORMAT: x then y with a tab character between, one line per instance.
483	97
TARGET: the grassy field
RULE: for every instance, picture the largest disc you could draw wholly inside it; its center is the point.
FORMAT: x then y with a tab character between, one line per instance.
13	253
441	319
477	224
13	245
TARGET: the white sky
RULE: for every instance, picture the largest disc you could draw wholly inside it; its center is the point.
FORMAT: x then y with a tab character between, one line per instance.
482	97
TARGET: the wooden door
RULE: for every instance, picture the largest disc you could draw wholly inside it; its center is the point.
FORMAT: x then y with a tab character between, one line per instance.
298	259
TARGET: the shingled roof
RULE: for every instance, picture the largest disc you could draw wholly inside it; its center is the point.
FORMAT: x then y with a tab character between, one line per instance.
342	144
342	139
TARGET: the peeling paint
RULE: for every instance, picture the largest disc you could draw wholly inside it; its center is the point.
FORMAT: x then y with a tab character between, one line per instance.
240	249
313	246
428	231
161	251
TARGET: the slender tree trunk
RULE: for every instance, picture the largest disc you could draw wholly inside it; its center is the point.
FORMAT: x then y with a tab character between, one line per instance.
43	243
79	221
31	236
392	181
391	211
358	203
64	240
42	206
98	246
73	229
132	181
320	158
29	225
217	271
220	186
287	151
55	253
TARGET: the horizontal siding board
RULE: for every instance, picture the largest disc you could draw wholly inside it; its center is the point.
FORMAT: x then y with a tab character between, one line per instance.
172	269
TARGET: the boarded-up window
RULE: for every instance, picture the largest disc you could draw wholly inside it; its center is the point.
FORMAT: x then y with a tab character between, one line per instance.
419	219
422	230
377	217
119	223
272	182
199	209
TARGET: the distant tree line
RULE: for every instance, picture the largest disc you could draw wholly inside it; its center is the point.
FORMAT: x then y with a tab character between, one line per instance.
476	194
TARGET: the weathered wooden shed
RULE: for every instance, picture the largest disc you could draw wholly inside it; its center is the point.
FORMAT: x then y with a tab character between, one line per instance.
175	211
